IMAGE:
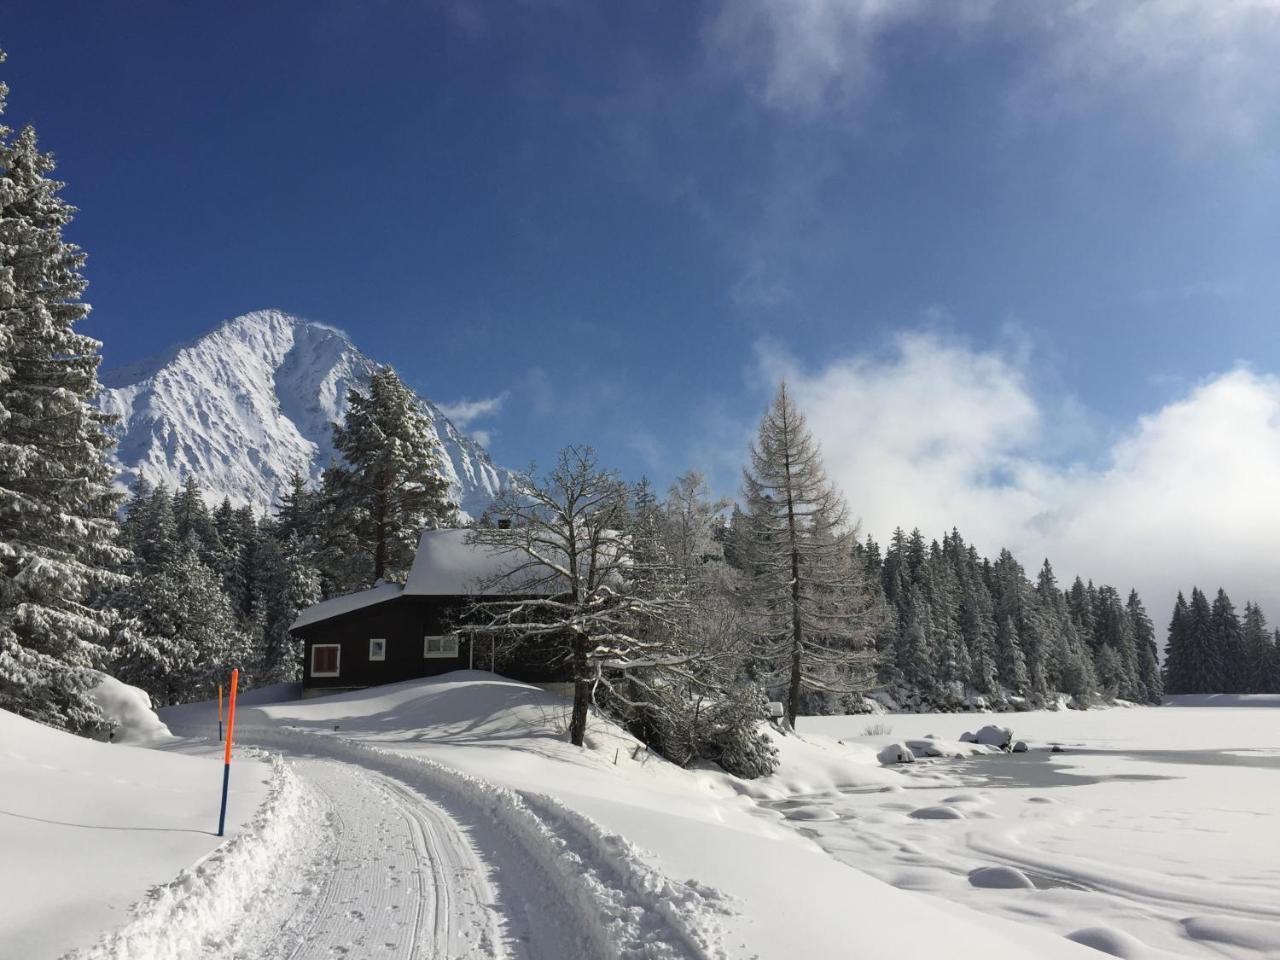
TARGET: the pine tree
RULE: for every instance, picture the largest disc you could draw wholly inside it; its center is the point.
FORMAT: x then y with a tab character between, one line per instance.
288	584
1010	662
805	590
1203	658
1113	631
192	520
1259	653
58	535
1176	670
1227	640
392	483
1144	641
148	529
180	635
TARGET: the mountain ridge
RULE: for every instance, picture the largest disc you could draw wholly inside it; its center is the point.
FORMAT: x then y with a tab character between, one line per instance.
246	403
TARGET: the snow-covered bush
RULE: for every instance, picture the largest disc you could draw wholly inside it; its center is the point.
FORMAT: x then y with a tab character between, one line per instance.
727	731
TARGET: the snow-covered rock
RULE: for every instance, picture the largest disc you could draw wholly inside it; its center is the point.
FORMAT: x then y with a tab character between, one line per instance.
1020	746
245	405
896	753
991	735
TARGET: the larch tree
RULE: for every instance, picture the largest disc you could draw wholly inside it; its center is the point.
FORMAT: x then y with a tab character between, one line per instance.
59	553
391	484
805	590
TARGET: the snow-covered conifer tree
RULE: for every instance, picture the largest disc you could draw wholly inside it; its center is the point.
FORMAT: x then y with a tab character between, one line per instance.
391	484
1203	658
1259	651
288	582
806	592
1144	641
1228	643
58	535
179	637
1175	671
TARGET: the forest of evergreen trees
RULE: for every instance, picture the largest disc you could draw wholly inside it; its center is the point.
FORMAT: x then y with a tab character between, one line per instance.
1211	649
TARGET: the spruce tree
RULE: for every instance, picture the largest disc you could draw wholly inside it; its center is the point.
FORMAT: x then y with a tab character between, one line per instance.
179	636
1228	644
59	553
1204	661
805	590
1176	669
1144	641
391	484
288	583
1259	652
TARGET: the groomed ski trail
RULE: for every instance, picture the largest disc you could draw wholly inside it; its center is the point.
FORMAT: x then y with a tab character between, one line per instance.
391	876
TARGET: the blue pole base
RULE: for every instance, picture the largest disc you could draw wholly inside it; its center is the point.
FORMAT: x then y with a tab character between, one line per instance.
226	781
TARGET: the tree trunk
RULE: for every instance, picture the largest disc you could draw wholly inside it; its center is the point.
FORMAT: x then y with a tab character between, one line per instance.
797	628
581	693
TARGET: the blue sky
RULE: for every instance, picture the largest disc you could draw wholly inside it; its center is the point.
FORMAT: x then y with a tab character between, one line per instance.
626	219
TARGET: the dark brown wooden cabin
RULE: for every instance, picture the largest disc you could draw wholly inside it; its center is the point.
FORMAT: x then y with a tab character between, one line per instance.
391	633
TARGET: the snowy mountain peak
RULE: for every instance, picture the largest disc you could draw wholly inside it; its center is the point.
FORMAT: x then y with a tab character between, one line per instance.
246	404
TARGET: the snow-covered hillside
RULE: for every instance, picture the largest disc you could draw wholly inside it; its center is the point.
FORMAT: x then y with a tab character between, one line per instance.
248	403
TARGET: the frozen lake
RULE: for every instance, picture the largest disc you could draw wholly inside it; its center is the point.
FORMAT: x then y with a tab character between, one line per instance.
1154	833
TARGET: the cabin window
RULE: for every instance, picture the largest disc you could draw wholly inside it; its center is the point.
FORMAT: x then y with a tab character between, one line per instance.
324	659
377	649
443	646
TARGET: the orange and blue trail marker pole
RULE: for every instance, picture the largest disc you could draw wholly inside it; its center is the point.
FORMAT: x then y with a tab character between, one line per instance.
219	713
226	756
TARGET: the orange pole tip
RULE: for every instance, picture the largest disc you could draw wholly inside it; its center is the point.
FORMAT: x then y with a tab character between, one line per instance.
231	714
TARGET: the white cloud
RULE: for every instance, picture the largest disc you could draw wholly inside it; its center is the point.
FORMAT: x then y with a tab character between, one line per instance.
463	412
938	434
1211	63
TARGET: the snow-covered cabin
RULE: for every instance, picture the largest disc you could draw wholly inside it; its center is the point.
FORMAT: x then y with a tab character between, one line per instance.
391	632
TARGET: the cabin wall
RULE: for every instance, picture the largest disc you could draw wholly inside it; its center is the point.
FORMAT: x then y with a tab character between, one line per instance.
404	623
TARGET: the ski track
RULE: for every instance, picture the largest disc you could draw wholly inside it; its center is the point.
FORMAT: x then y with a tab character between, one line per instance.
392	877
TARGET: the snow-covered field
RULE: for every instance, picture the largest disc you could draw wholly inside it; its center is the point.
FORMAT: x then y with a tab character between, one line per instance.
1156	832
448	817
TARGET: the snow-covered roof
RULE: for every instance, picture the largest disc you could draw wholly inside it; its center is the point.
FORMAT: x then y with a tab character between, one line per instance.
337	606
447	566
444	566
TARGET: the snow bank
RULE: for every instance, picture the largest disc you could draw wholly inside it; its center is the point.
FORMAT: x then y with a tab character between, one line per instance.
130	709
88	827
193	913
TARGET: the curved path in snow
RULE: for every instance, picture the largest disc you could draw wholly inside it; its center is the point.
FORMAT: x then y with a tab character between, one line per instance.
389	873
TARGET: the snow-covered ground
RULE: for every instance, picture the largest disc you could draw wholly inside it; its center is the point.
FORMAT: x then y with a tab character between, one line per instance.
1156	832
643	859
448	817
87	828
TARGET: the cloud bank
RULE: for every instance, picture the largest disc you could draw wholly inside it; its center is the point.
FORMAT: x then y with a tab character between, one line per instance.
937	434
